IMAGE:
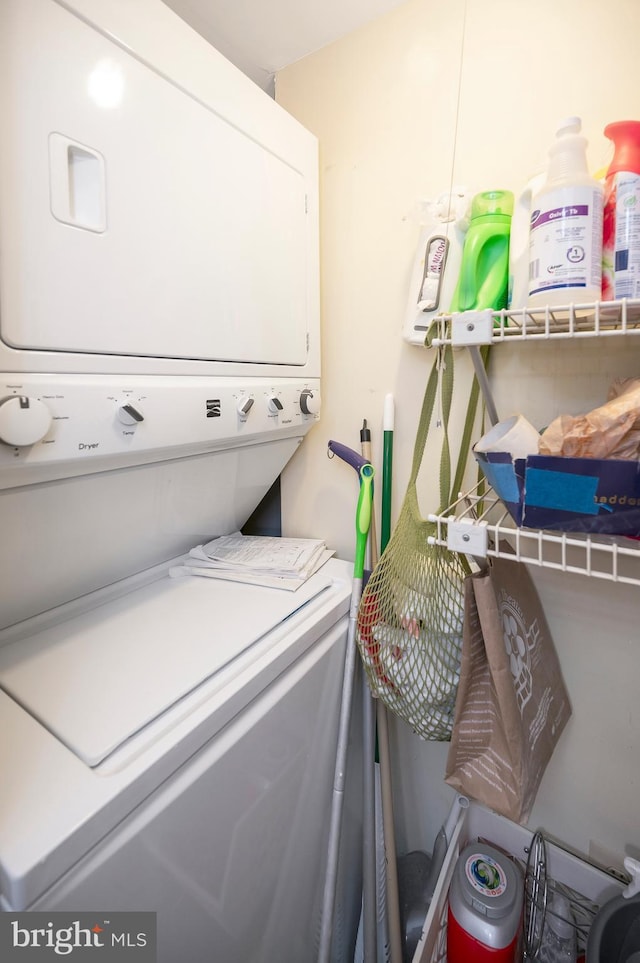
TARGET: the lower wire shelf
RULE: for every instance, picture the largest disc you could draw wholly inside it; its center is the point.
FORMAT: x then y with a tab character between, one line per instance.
479	525
586	886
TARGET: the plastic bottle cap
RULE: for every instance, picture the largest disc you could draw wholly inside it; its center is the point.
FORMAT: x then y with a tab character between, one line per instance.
559	917
572	125
491	203
567	154
625	135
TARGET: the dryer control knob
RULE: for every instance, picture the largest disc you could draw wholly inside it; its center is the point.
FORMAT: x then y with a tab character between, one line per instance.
274	405
128	415
23	420
309	402
245	405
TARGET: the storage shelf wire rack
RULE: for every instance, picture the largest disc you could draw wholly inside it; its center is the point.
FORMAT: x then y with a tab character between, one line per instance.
477	523
598	319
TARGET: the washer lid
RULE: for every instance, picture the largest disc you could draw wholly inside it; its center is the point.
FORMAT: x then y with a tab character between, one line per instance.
98	678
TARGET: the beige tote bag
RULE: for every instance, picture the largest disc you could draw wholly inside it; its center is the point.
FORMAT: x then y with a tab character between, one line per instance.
512	704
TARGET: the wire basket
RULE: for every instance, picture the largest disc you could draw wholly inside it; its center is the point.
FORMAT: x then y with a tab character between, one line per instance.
539	894
584	885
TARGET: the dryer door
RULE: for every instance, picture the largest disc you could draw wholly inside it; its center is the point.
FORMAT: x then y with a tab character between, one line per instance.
158	220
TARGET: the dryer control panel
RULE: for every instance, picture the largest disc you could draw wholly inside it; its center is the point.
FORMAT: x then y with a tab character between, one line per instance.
52	426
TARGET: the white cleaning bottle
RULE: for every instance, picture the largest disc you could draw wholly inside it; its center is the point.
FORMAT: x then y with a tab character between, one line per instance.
519	243
559	935
565	241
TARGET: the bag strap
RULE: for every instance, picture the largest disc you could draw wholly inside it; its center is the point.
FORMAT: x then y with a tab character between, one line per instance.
426	412
465	442
442	373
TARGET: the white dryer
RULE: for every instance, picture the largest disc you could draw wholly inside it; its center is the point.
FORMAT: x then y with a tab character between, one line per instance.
165	744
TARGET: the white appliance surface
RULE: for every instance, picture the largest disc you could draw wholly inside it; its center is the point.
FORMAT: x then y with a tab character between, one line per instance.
230	851
58	806
159	294
99	422
160	643
166	745
167	207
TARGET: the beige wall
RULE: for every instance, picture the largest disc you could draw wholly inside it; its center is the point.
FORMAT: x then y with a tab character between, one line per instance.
384	105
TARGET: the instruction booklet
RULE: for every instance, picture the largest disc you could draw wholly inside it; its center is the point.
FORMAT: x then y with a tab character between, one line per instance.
272	561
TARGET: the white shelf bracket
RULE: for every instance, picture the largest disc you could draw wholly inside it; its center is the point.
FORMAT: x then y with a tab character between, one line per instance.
471	327
468	536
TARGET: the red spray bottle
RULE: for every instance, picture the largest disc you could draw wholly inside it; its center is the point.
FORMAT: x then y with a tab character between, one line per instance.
621	240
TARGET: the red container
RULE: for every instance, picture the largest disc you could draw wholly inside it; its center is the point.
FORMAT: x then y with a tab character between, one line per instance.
486	900
621	232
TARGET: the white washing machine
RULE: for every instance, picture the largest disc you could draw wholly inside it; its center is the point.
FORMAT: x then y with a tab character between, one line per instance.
171	750
165	744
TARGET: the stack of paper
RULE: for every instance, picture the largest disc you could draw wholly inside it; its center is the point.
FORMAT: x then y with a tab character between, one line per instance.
284	563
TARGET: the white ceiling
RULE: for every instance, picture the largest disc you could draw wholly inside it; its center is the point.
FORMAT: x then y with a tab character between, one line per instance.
262	36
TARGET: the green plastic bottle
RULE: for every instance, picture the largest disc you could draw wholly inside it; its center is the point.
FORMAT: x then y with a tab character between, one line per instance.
484	273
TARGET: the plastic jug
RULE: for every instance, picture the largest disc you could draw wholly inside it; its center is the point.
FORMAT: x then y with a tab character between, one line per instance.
565	241
486	900
621	234
484	273
519	243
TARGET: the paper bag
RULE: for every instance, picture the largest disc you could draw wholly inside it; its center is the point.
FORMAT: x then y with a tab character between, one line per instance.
512	704
610	431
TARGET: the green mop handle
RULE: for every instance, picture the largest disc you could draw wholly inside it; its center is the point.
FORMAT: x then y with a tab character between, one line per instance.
363	517
387	470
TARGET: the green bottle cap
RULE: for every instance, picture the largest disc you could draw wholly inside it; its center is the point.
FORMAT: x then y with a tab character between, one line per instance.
492	203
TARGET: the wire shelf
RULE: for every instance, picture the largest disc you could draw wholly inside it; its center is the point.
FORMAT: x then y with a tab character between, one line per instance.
479	524
585	886
598	319
582	914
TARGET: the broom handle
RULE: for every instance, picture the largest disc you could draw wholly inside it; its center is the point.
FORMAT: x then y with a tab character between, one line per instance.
363	520
396	940
392	894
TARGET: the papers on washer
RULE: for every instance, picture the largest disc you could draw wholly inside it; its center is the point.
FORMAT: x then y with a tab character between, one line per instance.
271	561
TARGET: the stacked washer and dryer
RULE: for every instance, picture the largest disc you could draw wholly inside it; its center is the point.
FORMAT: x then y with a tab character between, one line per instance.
165	744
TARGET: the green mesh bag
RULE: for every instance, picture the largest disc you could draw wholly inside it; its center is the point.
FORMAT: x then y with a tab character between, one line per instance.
411	611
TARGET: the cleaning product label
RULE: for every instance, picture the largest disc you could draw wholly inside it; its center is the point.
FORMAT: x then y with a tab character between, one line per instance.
621	237
486	875
434	261
564	248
